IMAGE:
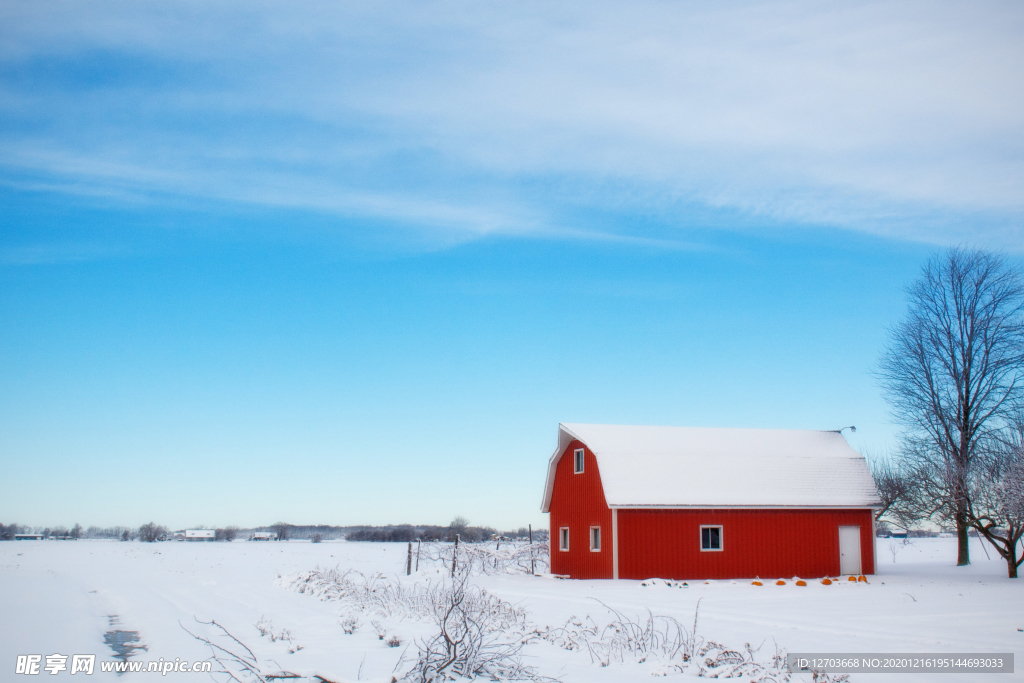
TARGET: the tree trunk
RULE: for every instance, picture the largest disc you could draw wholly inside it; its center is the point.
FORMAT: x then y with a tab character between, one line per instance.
963	551
1011	552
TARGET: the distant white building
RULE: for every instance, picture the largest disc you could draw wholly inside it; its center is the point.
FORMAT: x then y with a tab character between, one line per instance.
200	534
28	537
263	536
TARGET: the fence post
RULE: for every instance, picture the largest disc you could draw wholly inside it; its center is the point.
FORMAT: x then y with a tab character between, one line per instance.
455	555
533	566
419	543
408	561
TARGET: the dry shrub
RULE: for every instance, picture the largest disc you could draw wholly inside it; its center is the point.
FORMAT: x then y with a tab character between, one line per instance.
479	635
506	557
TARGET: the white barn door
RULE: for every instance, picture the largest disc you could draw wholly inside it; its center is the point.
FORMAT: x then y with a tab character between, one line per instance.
849	550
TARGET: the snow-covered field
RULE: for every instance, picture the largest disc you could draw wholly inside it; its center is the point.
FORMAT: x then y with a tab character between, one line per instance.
59	597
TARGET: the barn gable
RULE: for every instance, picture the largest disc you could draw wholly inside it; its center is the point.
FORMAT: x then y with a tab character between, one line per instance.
720	468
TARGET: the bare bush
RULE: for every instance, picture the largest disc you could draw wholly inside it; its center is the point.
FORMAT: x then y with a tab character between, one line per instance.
374	593
349	624
494	557
152	532
717	661
896	545
266	629
233	657
479	634
379	629
238	663
662	638
665	641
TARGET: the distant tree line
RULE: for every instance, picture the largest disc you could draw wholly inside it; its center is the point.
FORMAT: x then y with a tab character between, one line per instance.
460	527
406	532
8	532
152	532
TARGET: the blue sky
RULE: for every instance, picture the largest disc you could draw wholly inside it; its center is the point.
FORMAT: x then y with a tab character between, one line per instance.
352	263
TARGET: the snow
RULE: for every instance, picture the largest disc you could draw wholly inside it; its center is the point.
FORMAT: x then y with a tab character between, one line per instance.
702	467
58	598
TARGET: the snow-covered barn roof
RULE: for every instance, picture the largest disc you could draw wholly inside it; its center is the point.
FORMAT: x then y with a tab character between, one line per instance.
701	467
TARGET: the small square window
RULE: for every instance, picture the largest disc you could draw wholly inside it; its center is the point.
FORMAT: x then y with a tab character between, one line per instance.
563	539
595	539
578	460
710	538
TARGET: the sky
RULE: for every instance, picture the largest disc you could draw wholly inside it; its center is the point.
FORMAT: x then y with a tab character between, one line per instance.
352	263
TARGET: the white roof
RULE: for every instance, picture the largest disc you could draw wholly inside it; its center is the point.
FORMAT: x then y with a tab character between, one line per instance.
701	467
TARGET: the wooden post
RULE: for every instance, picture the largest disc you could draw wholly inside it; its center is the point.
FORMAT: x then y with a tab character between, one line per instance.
408	561
419	543
533	566
455	555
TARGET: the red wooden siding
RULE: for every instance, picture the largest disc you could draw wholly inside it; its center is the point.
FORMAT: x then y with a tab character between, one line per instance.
766	543
577	501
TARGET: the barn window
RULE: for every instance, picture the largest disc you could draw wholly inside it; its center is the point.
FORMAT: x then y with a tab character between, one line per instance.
595	539
711	538
578	460
563	539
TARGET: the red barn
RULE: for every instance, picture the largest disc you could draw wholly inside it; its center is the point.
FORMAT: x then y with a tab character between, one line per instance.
687	503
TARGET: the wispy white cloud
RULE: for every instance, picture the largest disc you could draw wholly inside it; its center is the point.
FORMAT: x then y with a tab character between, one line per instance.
469	119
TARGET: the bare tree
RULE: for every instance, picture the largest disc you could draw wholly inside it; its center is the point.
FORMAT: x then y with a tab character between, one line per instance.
151	532
997	497
895	486
458	527
281	529
76	532
953	371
